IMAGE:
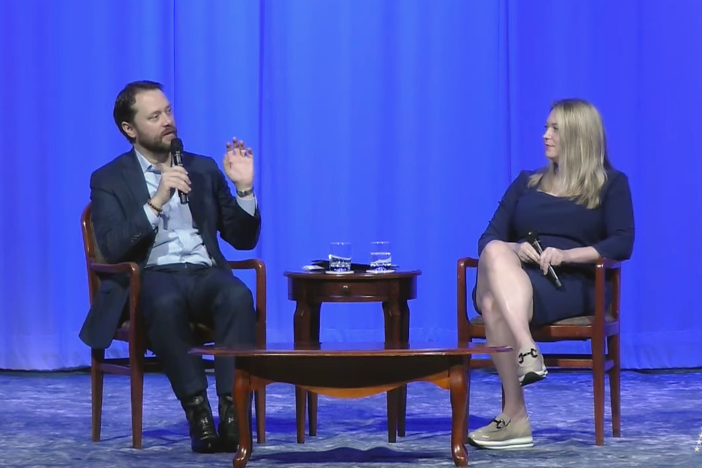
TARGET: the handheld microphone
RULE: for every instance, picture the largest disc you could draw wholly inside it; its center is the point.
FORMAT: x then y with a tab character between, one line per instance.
533	238
177	153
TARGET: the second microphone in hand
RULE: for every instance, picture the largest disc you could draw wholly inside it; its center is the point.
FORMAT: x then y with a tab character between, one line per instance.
177	154
533	239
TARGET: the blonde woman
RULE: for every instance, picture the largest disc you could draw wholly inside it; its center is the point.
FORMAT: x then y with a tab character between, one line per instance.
580	208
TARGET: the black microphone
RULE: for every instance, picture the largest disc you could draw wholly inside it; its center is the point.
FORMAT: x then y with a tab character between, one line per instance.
533	238
177	153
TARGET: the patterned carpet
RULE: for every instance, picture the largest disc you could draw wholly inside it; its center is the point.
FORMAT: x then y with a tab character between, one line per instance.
45	421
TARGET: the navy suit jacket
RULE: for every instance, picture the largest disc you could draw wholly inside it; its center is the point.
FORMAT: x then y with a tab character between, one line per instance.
118	193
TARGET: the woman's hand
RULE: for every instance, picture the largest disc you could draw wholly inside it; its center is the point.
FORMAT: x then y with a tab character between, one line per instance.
526	253
553	257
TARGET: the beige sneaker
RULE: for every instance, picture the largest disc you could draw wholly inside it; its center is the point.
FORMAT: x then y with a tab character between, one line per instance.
502	433
531	366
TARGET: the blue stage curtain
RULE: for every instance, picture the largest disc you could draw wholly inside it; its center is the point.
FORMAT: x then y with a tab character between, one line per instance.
399	120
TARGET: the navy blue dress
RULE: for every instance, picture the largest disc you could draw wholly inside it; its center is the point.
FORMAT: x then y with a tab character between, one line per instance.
564	224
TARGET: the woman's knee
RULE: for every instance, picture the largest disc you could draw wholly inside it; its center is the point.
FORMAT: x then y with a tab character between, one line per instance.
495	253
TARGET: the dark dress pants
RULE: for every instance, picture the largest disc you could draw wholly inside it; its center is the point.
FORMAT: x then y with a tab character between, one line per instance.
173	296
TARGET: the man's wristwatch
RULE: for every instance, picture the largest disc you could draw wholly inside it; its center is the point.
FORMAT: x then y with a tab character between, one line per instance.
244	193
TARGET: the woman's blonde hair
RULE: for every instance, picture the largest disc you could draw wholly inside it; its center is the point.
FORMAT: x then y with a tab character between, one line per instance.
581	169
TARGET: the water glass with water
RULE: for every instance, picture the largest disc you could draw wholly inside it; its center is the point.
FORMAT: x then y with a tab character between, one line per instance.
340	257
381	259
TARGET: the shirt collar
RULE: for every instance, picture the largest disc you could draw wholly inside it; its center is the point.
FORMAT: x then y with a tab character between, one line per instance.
146	166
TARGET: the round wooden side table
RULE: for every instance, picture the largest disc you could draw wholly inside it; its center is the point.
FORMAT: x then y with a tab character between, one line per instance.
310	289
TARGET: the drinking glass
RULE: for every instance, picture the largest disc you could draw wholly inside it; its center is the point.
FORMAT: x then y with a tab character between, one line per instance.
380	257
340	257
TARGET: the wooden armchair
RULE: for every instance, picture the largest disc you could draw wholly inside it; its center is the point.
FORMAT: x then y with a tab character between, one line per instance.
133	332
602	329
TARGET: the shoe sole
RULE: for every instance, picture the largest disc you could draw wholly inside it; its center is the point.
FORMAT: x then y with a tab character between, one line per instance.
532	377
212	447
519	442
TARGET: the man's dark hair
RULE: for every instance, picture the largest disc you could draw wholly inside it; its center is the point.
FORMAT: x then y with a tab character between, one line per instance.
124	104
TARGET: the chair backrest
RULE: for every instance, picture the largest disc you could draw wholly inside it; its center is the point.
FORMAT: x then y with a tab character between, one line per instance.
91	249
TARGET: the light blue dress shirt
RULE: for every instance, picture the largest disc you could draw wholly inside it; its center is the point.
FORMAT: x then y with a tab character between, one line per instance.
177	238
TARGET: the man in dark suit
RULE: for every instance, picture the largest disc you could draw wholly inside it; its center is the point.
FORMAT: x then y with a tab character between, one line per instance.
138	216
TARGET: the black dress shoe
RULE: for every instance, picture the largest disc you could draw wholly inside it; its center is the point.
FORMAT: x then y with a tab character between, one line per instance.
228	424
203	437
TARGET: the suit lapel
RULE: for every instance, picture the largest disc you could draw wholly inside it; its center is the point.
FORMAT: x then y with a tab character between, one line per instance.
134	178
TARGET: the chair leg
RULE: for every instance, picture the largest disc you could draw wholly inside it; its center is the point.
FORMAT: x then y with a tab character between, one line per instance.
260	397
598	376
97	377
136	378
465	425
614	352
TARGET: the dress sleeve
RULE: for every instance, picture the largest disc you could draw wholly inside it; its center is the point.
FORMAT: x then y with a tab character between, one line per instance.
618	209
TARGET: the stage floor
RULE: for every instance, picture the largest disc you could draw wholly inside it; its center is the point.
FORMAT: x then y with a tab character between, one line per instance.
45	421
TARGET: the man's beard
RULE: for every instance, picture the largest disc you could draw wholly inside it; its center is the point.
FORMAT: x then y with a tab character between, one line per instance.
156	145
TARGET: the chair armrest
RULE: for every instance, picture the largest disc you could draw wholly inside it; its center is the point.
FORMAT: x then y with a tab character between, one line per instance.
260	268
467	262
136	328
609	264
130	268
250	264
462	295
602	266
